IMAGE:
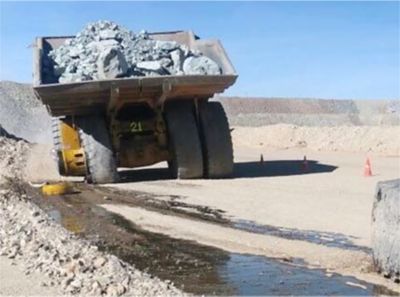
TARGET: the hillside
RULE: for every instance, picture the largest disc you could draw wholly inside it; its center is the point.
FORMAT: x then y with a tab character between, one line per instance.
310	112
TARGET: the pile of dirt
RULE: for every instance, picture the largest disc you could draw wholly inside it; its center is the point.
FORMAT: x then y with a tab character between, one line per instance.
22	115
12	158
374	139
36	242
253	112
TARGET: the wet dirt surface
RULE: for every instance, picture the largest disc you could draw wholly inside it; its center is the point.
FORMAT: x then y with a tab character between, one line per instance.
192	267
331	239
175	206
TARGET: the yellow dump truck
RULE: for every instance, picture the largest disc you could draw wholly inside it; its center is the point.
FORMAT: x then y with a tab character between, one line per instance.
101	125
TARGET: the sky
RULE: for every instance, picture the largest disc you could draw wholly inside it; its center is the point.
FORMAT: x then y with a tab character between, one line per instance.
342	50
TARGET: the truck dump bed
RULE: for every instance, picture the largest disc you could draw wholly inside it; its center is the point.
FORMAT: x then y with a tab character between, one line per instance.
102	95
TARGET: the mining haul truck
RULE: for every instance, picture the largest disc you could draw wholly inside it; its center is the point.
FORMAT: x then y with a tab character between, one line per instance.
101	125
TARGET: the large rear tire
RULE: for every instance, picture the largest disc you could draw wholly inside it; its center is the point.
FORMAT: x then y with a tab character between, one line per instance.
100	161
216	140
185	146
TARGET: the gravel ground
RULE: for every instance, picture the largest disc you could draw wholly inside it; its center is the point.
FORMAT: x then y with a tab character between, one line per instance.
39	245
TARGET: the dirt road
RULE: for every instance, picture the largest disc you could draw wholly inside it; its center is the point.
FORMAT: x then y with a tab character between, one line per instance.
332	197
320	214
316	215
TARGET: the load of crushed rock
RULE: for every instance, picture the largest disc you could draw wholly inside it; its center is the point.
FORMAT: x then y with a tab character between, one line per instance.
106	50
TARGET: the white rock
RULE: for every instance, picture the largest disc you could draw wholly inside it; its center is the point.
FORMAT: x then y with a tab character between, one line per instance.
99	262
154	66
200	66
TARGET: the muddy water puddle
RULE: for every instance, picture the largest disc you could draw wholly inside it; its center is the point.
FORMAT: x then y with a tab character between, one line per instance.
330	239
192	267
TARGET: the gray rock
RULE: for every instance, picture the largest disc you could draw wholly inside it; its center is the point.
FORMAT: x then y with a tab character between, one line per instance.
115	290
104	50
166	45
201	66
71	77
108	34
95	289
76	283
150	66
177	57
111	64
386	228
103	44
99	262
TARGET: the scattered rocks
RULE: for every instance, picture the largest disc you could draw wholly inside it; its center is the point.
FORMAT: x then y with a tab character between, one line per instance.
105	50
65	261
99	262
12	155
40	245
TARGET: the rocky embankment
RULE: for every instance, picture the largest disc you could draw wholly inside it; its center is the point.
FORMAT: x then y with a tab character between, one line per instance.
36	242
255	112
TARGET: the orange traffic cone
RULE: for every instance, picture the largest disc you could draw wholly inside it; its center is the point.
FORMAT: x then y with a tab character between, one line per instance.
367	168
304	165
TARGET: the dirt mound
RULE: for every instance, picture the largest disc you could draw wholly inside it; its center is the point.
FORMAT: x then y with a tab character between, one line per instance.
12	157
311	112
4	133
380	140
21	114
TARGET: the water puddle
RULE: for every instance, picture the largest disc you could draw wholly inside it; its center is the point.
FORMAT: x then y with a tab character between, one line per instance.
192	267
255	275
330	239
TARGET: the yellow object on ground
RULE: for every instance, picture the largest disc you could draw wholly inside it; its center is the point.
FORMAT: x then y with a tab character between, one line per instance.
56	189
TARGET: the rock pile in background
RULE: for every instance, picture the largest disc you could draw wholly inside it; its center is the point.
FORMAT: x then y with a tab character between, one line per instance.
105	50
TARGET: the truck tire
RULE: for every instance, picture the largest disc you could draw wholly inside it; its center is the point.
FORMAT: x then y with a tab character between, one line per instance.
184	142
100	161
57	145
216	140
386	229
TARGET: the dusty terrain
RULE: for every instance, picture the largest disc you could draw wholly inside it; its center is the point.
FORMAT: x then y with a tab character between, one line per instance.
322	217
314	216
